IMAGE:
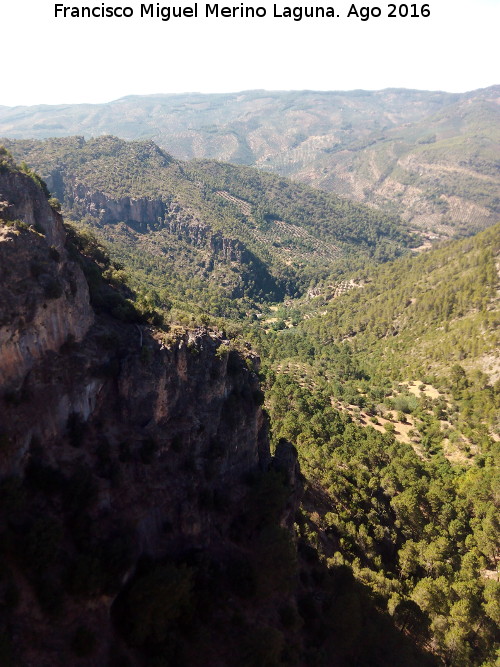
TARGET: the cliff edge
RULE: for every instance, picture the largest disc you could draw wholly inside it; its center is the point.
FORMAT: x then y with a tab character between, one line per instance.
138	492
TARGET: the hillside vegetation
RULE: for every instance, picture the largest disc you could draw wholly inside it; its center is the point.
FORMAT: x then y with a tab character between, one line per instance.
204	231
432	157
391	393
385	376
143	518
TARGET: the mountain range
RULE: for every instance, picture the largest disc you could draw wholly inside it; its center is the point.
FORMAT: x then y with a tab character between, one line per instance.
431	157
246	420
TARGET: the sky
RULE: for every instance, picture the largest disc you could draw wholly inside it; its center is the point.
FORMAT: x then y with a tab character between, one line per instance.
49	60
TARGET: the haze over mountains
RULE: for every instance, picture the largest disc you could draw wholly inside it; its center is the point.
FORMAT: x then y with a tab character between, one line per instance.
432	157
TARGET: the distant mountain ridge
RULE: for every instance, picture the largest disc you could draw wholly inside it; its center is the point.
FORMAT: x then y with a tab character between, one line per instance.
430	156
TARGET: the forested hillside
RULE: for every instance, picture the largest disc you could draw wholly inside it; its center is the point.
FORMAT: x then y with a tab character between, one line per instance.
143	518
379	364
207	233
391	393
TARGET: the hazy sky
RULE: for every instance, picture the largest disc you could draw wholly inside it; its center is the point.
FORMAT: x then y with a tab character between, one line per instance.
65	60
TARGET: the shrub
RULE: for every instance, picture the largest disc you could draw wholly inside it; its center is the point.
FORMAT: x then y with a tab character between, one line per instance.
25	169
6	160
55	204
258	397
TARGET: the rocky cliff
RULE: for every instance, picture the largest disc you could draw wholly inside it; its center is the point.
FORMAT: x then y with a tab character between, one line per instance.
44	296
123	450
146	214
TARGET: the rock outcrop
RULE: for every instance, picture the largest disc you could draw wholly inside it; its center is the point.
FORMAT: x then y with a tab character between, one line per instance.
146	214
45	297
119	443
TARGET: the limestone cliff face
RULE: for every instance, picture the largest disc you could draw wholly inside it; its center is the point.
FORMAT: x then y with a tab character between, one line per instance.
146	214
22	198
110	435
89	201
44	295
